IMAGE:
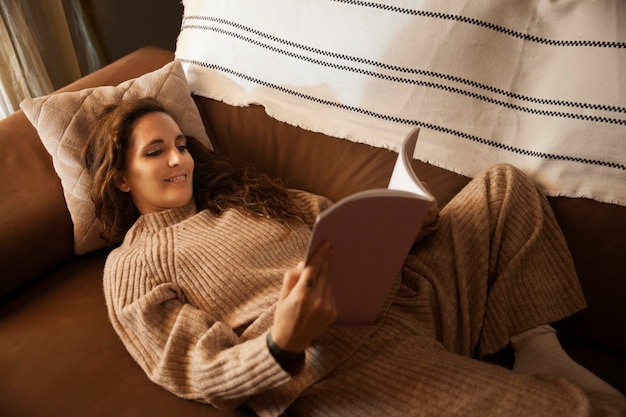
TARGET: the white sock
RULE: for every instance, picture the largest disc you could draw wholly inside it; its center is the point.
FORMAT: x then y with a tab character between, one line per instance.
538	351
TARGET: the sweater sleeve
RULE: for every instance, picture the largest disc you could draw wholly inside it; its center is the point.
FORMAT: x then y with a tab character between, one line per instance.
180	347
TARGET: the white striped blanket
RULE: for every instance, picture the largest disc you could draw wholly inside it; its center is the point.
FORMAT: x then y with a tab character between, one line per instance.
538	84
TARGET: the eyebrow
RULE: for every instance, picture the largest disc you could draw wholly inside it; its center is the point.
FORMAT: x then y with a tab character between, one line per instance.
159	140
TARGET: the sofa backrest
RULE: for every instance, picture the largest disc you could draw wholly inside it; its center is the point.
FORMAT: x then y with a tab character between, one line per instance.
595	232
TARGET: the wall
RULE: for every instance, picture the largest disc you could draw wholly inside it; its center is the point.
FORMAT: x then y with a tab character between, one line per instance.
123	26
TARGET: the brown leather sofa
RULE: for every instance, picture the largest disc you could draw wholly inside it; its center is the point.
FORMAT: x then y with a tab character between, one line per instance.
59	355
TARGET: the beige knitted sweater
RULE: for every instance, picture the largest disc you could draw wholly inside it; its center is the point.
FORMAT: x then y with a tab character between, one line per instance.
192	296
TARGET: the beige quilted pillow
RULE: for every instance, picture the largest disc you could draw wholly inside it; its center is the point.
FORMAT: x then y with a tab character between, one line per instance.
63	120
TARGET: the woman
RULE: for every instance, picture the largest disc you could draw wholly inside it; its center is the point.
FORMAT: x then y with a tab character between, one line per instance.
205	296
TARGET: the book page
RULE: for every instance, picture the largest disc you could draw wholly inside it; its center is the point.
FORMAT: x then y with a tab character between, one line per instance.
403	177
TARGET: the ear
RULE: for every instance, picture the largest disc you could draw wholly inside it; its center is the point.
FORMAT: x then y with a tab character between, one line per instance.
121	184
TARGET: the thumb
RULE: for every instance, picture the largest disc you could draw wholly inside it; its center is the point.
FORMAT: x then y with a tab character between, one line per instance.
290	280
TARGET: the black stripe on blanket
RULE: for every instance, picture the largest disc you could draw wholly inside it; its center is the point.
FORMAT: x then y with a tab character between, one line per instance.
410	122
486	25
409	81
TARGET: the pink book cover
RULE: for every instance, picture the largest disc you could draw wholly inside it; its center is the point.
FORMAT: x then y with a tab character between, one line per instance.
371	233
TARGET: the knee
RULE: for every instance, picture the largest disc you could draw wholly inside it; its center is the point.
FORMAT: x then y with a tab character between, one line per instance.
509	173
506	178
505	169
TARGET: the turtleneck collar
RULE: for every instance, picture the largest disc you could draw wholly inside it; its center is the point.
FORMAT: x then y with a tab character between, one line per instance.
159	220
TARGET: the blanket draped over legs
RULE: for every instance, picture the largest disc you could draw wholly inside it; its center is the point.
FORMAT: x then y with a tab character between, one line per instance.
496	266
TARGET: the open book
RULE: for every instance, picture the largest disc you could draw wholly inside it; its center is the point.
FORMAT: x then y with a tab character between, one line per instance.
371	233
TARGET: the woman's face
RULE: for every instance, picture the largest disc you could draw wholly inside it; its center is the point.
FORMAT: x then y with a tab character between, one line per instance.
159	168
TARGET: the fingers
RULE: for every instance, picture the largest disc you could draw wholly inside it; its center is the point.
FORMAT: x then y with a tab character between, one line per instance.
315	274
306	305
309	277
318	284
290	279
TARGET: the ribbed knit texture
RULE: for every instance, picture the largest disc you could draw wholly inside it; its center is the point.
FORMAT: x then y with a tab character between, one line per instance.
192	297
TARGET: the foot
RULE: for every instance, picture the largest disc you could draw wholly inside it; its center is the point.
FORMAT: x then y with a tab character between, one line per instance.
538	351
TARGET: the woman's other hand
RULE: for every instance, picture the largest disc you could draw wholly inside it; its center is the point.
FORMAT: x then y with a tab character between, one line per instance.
306	305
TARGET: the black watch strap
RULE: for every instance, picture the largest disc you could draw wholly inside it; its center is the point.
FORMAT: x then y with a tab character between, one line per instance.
292	362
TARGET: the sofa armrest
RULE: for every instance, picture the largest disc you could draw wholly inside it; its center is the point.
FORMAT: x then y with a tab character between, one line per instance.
35	225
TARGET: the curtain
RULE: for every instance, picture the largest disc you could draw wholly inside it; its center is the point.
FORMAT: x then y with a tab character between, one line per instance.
43	46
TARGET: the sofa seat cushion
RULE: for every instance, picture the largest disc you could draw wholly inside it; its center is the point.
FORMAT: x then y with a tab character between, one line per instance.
59	354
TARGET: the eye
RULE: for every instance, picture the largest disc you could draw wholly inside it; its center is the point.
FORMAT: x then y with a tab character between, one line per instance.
153	153
182	148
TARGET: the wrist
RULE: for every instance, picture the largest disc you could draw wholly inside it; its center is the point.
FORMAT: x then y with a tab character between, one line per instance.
291	362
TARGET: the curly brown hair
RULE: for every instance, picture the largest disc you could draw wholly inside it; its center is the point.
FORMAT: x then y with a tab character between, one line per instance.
219	183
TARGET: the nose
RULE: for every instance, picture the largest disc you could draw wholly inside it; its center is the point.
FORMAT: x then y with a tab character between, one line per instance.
175	158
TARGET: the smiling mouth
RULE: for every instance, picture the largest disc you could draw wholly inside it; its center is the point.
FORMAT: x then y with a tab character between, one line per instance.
178	178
